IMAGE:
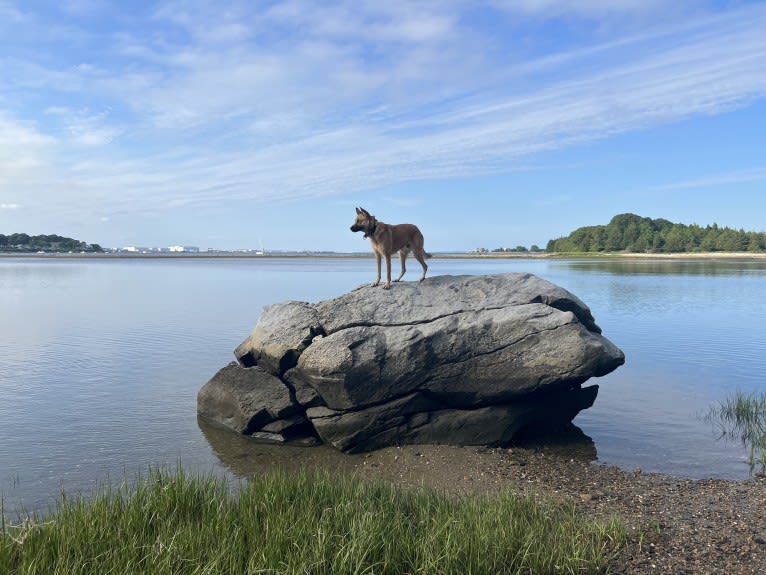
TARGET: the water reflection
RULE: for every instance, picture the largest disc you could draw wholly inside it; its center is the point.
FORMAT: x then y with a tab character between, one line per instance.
101	361
246	458
742	418
702	267
569	441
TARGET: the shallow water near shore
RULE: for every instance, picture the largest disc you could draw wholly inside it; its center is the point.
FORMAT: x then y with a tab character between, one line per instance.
101	360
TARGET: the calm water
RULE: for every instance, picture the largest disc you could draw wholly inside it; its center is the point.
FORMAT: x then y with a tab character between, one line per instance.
101	360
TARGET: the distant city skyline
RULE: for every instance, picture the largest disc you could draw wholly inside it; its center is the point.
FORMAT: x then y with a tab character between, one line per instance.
229	124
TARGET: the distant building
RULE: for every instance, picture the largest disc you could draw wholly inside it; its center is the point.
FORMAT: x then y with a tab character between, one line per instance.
187	249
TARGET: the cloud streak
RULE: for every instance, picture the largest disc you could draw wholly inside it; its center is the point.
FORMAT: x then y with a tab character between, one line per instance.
301	101
716	180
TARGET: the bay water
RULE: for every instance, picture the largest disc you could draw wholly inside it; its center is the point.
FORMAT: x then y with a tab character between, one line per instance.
101	358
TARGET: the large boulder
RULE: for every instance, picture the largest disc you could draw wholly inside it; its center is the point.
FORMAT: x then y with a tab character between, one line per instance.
454	359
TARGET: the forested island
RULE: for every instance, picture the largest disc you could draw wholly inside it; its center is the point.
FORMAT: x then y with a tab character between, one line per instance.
635	234
24	243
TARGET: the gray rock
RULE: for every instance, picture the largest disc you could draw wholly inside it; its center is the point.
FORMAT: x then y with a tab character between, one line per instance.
305	395
283	426
465	360
268	437
416	419
245	399
283	332
441	296
471	358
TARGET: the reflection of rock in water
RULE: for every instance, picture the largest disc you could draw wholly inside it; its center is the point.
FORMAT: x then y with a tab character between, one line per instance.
245	457
446	467
569	441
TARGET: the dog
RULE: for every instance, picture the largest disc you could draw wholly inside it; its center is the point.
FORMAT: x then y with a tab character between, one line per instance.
387	239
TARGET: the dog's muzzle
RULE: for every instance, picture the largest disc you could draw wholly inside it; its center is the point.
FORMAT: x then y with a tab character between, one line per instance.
356	228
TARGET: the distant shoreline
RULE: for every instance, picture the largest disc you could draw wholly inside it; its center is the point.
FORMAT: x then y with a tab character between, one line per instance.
368	255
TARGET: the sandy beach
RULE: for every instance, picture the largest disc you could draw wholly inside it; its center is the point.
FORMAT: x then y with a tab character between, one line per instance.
675	525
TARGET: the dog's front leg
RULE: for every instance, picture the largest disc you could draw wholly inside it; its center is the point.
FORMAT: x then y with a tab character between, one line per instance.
377	266
388	272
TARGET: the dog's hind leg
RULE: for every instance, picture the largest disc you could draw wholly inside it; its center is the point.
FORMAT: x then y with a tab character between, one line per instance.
402	259
420	253
421	256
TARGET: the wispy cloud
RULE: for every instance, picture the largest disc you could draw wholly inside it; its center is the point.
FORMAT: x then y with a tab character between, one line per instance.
195	105
82	128
713	180
583	8
24	160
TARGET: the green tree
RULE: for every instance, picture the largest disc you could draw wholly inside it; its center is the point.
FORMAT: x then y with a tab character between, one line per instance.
629	232
20	242
674	240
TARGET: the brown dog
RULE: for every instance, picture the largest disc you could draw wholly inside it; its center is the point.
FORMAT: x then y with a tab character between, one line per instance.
387	239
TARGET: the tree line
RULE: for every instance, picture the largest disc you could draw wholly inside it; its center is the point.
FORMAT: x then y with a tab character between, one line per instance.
46	243
517	249
632	233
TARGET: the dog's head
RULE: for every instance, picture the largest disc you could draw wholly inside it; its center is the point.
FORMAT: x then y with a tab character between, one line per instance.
364	222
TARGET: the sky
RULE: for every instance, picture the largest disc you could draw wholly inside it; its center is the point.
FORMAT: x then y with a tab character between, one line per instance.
235	125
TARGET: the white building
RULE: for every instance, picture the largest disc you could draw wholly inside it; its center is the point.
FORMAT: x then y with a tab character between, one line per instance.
188	249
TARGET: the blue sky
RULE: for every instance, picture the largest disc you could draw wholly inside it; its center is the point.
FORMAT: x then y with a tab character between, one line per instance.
225	124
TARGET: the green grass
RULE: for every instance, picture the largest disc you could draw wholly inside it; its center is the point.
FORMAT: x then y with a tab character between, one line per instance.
302	524
743	416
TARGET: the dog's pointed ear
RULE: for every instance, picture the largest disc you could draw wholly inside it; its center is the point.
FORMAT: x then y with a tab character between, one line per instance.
363	211
358	211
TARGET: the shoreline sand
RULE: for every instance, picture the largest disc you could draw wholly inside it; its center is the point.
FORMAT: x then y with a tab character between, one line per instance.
737	256
674	524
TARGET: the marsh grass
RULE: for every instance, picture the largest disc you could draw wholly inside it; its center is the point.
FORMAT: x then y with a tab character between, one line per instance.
743	417
177	523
